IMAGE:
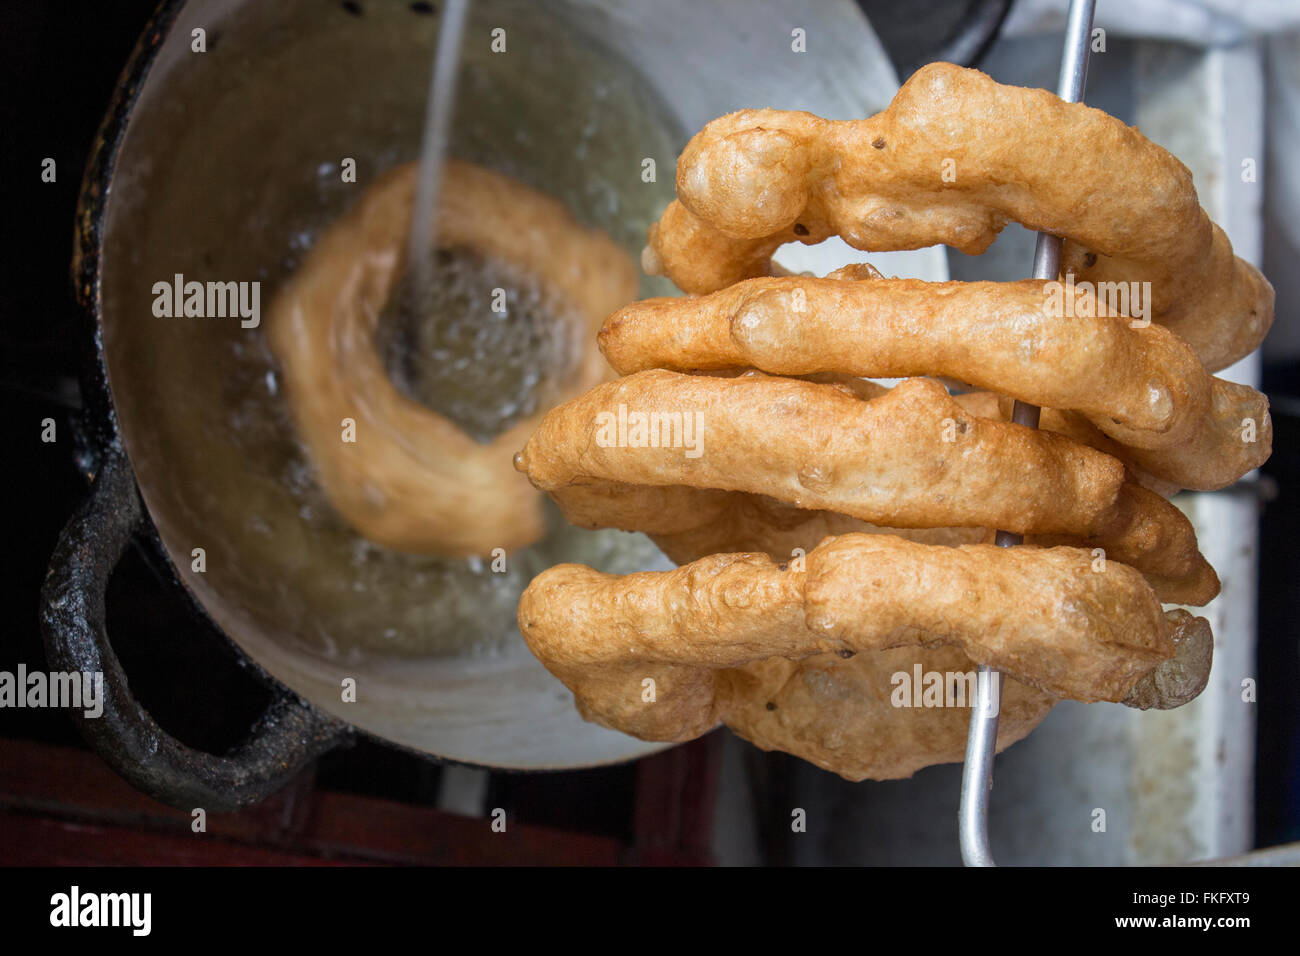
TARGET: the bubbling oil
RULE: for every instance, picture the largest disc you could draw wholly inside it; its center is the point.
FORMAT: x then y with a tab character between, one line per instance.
480	341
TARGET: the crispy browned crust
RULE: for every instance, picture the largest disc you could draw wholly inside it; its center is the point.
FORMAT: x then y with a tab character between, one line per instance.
413	481
1142	387
838	714
801	600
937	167
910	458
710	635
905	458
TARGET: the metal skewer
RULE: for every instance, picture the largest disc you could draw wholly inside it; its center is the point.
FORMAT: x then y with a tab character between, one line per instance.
981	741
437	135
410	302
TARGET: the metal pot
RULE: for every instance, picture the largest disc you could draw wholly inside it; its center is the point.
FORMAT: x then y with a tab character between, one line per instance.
221	165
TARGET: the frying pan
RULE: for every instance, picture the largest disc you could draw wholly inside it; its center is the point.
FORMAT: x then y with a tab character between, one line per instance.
222	165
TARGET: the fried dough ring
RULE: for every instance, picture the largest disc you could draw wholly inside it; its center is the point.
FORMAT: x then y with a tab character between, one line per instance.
752	181
1076	427
1179	575
1143	387
911	458
1143	464
705	634
837	713
413	480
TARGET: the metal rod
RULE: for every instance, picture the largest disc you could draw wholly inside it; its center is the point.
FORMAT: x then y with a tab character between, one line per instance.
439	109
981	739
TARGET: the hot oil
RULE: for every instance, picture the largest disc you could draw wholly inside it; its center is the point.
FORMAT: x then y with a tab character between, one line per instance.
566	117
480	341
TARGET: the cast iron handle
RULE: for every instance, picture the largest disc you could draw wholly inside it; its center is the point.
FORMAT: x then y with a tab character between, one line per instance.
971	38
283	740
965	43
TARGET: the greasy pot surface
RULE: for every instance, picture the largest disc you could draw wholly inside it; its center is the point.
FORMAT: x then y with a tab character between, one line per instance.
229	166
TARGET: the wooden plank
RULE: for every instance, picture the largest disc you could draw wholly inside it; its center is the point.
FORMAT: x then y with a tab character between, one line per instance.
400	833
675	803
74	782
30	840
64	805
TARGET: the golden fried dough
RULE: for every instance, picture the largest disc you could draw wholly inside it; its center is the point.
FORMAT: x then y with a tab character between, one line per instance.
911	458
907	458
1202	463
838	714
705	634
990	405
953	159
1141	386
835	535
1178	575
841	714
413	480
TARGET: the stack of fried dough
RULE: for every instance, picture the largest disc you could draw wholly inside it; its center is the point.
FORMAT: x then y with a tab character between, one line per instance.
834	534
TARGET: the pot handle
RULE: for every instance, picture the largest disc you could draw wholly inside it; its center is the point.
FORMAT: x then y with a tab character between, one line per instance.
280	744
970	39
